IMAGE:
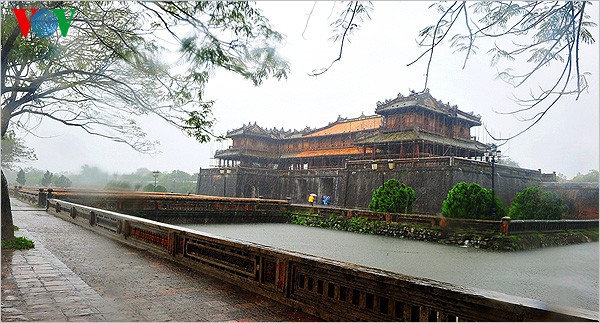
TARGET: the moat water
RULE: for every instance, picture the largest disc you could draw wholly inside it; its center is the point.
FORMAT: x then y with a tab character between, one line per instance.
566	276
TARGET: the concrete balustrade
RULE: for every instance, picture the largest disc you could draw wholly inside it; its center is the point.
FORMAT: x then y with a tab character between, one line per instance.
332	290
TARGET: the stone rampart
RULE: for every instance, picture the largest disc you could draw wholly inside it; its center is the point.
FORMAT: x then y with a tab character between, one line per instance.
353	186
581	198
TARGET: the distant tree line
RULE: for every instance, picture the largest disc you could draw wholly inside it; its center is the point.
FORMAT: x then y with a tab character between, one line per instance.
176	181
590	177
36	177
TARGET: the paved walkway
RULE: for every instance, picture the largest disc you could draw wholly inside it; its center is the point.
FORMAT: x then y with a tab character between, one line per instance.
74	274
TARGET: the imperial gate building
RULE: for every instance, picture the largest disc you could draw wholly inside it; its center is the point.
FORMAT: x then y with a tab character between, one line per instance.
416	139
414	126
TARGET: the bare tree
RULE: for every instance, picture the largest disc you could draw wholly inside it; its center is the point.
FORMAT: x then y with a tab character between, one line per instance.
349	19
539	33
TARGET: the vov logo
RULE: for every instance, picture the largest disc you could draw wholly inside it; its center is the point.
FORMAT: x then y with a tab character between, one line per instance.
44	22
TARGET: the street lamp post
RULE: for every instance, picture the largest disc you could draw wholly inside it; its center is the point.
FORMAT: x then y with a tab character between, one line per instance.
492	154
155	174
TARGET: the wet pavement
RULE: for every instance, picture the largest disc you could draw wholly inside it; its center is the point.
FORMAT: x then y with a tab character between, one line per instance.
74	274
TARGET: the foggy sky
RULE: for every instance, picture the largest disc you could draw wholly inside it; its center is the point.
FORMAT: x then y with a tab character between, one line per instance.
373	68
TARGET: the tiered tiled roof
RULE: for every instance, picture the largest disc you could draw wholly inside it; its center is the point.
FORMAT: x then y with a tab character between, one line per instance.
418	135
274	133
362	123
428	102
325	152
348	126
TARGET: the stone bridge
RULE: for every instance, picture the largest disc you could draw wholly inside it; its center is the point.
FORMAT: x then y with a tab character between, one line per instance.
329	289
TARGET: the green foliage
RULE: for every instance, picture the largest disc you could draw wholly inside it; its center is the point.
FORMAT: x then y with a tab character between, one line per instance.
356	224
106	73
306	219
119	185
62	182
363	225
392	197
178	181
18	243
91	176
14	151
590	177
35	176
21	177
471	201
561	178
508	162
360	225
592	234
47	180
534	203
150	188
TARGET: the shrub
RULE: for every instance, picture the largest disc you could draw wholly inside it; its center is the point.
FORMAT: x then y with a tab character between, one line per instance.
471	201
533	203
392	197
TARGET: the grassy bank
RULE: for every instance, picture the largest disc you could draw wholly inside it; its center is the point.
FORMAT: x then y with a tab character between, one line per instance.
485	240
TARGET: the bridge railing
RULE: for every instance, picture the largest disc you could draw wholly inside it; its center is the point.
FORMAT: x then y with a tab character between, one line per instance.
148	201
29	195
180	208
505	225
332	290
526	226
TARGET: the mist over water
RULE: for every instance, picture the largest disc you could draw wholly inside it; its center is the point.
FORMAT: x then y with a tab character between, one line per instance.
566	276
